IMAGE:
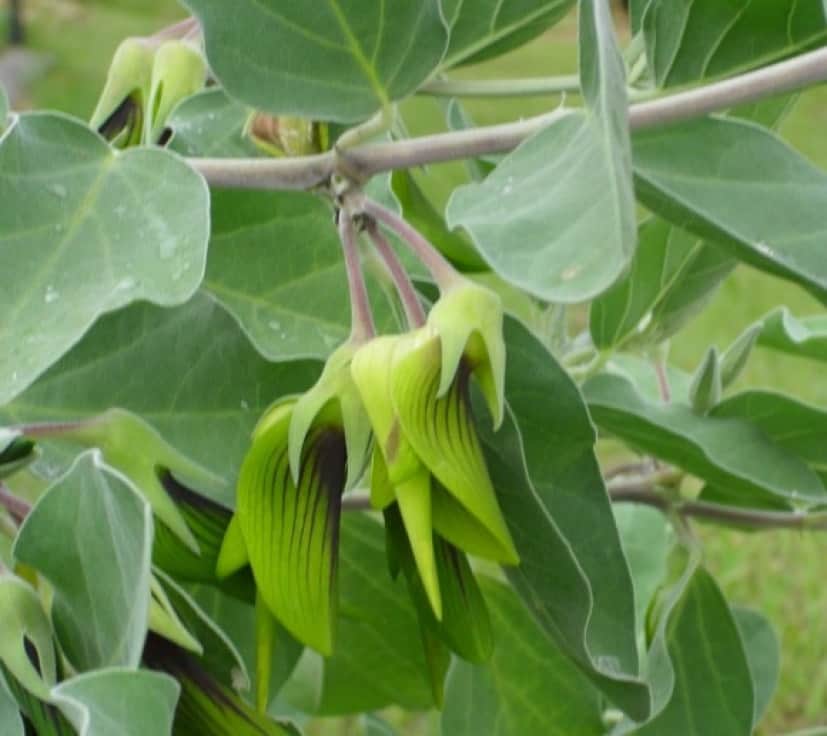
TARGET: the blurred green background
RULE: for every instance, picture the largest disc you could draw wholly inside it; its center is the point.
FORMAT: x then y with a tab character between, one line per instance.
781	573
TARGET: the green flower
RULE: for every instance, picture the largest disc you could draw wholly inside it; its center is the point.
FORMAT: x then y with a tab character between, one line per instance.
415	388
288	530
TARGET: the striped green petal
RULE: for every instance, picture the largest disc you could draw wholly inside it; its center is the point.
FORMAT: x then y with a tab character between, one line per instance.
442	432
469	321
208	522
465	627
136	449
414	497
381	490
371	371
336	397
233	555
206	706
291	530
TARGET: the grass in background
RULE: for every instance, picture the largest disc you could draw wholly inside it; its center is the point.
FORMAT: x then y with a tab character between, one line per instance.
780	573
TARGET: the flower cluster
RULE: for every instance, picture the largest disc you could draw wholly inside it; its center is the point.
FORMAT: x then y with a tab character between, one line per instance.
392	412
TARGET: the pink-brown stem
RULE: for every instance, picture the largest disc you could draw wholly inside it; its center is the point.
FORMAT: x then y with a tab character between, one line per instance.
362	327
404	287
442	271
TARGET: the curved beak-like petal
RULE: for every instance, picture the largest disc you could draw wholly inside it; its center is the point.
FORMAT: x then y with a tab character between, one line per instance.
442	432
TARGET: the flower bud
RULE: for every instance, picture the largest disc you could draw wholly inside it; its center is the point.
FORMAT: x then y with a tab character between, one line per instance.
286	135
178	71
119	114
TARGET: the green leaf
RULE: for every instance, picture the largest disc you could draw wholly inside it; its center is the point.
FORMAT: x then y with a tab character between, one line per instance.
645	535
481	30
11	720
90	536
585	601
211	124
805	337
798	428
734	359
116	702
73	207
532	218
190	368
737	184
712	691
687	42
528	687
342	62
378	660
276	265
673	276
724	451
763	656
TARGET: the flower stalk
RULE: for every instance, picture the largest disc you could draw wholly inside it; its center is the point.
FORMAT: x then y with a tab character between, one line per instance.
362	326
440	268
414	312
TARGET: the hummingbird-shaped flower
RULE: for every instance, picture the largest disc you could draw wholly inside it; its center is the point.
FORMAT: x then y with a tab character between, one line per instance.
428	458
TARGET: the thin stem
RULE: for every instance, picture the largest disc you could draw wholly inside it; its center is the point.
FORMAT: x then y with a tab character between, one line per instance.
49	429
404	287
663	381
501	87
183	29
312	171
642	493
442	271
18	508
360	313
638	468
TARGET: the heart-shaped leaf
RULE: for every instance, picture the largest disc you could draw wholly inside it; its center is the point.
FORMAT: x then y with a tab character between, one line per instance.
342	61
85	230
